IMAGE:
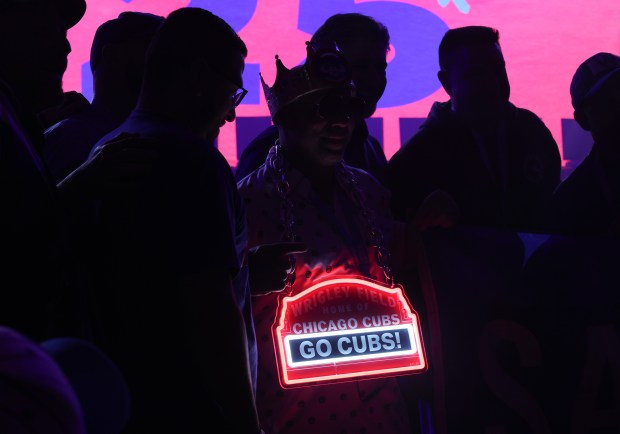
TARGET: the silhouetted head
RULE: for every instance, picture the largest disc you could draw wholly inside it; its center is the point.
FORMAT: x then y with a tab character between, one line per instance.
473	72
129	28
595	95
117	59
196	58
34	48
315	107
97	381
35	395
364	42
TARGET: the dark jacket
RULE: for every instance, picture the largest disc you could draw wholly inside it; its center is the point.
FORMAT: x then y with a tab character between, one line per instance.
506	189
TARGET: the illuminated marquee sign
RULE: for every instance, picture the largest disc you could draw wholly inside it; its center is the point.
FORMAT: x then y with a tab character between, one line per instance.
346	329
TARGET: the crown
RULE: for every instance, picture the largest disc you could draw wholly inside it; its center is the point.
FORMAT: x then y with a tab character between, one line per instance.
323	69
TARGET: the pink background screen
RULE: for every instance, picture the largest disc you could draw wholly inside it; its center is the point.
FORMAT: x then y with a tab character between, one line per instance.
543	43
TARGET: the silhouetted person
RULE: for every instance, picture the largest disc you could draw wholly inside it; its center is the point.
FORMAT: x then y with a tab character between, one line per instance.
38	275
499	162
588	201
34	276
305	192
575	279
171	299
364	42
117	64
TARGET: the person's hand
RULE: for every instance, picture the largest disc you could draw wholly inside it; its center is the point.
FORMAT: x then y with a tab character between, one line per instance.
438	210
121	165
72	102
270	265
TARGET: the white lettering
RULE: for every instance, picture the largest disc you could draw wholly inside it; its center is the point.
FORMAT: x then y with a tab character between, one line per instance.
306	354
341	347
323	348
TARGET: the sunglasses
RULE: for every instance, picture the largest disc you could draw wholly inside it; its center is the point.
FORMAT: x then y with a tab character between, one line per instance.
335	106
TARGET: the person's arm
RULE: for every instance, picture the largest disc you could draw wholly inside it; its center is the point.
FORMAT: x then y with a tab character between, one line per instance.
215	330
438	210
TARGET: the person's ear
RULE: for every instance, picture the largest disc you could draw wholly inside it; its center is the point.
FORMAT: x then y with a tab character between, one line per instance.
445	81
582	119
197	74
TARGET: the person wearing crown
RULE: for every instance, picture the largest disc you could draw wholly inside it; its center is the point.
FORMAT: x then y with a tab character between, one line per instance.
304	192
365	43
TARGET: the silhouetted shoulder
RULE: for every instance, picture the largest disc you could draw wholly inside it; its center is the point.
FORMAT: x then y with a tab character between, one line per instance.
529	118
538	138
429	142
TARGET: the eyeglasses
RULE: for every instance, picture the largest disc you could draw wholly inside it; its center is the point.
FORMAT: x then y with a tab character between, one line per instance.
239	95
334	106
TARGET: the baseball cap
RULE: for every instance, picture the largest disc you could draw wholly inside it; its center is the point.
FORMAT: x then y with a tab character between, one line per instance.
71	11
591	75
126	27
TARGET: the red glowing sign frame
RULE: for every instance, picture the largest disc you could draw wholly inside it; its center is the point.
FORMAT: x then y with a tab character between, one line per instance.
346	329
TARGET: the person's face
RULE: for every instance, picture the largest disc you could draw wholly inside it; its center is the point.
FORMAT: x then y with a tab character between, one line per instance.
223	80
318	128
603	117
477	82
367	60
33	56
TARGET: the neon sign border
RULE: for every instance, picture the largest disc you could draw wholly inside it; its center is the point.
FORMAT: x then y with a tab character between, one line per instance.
282	356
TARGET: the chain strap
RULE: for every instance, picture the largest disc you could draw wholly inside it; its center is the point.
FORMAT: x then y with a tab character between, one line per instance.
277	165
349	182
375	237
